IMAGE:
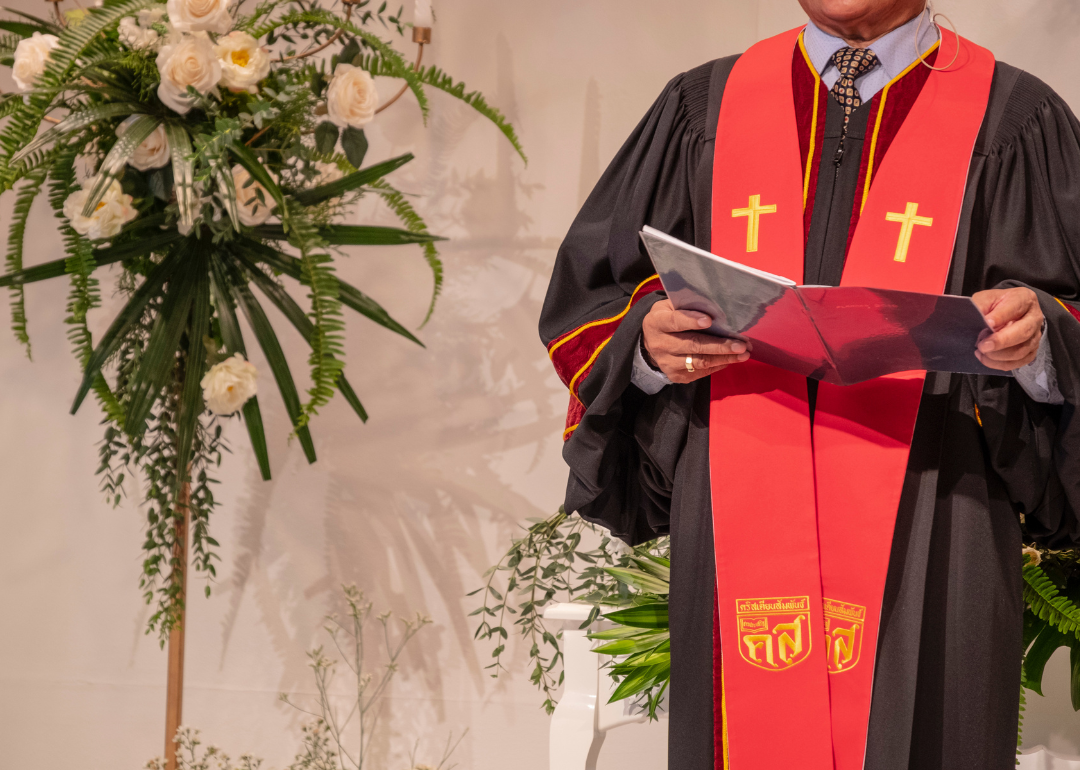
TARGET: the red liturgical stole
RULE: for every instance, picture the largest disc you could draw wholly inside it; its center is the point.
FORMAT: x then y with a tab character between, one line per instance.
803	519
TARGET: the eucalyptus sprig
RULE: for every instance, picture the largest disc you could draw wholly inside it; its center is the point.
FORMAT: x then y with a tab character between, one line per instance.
549	564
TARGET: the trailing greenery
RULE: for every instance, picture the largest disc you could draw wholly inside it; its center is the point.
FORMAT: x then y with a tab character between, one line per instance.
204	203
550	564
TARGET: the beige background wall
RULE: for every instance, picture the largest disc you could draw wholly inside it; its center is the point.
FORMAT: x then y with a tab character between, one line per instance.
462	446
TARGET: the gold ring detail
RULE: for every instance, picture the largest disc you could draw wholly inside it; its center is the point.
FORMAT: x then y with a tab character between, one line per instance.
689	363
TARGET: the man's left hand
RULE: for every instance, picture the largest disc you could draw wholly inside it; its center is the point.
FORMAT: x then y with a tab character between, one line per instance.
1017	322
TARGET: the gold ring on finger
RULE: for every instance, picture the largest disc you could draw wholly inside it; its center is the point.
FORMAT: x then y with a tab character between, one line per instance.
689	363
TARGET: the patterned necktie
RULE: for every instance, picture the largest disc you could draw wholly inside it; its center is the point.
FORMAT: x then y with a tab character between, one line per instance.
851	63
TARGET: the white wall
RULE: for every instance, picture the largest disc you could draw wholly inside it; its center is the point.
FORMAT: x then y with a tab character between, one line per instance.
463	444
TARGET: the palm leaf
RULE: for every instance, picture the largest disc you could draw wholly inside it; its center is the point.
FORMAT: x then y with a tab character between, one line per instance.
275	357
339	187
117	159
75	121
258	172
23	29
639	580
183	174
191	398
654	615
234	343
350	296
353	235
129	315
159	358
107	256
646	641
45	24
296	315
641	680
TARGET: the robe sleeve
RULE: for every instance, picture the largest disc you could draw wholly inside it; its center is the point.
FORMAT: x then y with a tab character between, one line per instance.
602	287
1030	236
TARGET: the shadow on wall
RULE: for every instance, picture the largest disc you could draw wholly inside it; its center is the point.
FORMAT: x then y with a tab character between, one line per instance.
414	506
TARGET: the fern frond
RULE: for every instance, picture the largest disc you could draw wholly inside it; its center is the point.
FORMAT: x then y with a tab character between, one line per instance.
1048	604
85	294
393	62
14	258
436	78
74	42
412	221
328	336
8	44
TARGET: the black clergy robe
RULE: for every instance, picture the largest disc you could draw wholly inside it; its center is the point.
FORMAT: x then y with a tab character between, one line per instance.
984	455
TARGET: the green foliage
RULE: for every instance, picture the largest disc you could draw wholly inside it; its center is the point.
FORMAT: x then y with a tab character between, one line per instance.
185	265
404	211
550	564
13	260
436	78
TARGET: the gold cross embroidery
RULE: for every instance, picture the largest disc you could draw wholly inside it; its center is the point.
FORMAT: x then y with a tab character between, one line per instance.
753	212
907	221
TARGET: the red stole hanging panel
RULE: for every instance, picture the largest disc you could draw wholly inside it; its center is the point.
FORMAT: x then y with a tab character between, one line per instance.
803	520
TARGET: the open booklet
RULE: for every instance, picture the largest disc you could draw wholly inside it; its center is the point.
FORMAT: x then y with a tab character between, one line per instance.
840	334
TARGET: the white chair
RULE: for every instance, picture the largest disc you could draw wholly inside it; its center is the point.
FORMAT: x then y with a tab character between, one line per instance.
1041	758
583	716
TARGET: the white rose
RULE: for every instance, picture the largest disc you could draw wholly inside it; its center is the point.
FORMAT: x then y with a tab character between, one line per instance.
154	150
243	61
112	212
228	385
249	208
186	61
351	99
30	56
135	36
1031	555
200	15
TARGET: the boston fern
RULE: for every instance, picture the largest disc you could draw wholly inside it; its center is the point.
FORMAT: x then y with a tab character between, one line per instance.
210	153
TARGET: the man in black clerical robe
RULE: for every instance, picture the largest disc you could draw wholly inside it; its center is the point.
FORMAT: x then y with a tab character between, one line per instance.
988	452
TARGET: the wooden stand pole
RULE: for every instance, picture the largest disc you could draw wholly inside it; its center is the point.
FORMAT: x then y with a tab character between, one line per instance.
174	693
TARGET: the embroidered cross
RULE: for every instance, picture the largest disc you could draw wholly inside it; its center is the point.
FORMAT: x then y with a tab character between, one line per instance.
907	221
753	212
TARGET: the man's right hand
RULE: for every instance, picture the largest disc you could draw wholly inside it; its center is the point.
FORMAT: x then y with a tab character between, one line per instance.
671	335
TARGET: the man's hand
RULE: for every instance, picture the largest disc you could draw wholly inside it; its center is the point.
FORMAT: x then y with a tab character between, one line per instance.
1017	321
671	335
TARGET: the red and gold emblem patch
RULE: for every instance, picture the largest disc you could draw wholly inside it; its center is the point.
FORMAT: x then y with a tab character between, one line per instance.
843	634
774	634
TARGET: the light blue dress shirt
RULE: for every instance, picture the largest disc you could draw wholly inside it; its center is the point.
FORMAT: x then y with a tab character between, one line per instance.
895	51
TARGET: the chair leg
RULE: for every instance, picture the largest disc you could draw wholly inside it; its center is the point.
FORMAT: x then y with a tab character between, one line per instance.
575	740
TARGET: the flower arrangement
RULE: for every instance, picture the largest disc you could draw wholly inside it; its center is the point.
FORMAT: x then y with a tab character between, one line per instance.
209	152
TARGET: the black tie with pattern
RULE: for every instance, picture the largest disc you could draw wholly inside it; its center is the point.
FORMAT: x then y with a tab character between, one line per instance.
851	63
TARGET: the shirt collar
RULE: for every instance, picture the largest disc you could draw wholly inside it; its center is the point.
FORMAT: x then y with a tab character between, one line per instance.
895	50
